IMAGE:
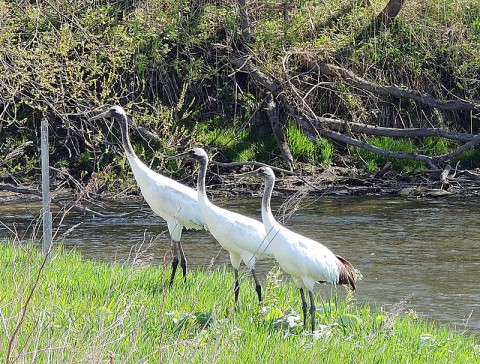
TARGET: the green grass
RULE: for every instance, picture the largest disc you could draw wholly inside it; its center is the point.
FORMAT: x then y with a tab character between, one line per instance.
303	149
87	311
235	143
427	146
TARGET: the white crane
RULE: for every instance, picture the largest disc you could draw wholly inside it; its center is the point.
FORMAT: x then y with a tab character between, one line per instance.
174	202
306	260
241	236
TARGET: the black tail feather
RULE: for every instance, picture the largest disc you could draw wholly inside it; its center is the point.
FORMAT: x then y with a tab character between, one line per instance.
347	272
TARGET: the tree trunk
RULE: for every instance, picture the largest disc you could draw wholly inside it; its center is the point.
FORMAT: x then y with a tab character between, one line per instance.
278	132
390	11
245	21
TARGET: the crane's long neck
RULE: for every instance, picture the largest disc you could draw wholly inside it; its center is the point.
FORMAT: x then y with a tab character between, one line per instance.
267	215
202	173
125	137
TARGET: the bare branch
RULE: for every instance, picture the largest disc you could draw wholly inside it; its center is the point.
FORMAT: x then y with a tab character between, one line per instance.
253	164
394	91
471	144
371	148
314	126
342	126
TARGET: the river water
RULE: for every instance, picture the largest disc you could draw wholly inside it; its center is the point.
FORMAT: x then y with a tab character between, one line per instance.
422	252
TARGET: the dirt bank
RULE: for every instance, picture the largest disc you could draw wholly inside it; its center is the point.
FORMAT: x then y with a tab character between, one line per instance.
333	181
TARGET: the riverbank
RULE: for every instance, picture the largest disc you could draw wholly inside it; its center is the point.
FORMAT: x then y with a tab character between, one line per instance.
331	181
336	181
81	310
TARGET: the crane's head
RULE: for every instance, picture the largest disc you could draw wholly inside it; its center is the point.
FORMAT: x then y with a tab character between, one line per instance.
265	173
198	154
115	112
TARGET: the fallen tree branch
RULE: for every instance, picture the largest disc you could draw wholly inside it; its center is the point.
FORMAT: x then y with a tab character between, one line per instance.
471	144
253	164
307	123
346	126
430	161
314	126
394	91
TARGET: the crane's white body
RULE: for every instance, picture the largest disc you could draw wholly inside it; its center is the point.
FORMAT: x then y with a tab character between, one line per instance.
306	260
244	238
174	202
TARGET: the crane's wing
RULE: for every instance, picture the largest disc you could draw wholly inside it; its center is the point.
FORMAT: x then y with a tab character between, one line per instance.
301	257
236	232
167	197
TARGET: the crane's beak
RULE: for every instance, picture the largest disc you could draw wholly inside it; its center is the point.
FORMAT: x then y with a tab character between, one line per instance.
179	156
103	115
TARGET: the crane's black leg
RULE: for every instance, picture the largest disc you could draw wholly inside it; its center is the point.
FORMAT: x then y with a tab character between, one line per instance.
174	262
236	290
258	287
304	307
183	262
312	309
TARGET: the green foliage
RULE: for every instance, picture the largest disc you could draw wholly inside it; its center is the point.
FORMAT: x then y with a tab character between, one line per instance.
428	146
236	142
67	58
232	142
436	146
303	149
393	145
469	159
126	312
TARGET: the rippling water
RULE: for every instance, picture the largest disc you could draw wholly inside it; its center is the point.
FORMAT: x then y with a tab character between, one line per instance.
424	252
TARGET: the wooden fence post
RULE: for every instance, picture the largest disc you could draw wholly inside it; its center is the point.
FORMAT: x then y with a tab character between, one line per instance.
46	214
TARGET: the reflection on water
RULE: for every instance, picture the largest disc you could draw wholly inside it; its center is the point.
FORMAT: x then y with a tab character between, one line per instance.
426	252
